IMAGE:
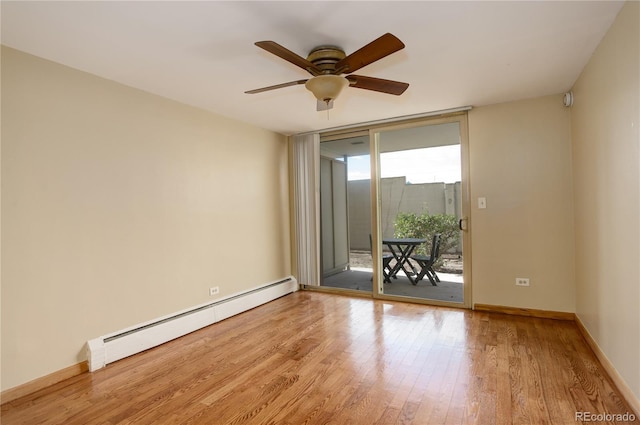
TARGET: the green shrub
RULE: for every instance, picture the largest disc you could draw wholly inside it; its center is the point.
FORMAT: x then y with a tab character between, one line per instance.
411	225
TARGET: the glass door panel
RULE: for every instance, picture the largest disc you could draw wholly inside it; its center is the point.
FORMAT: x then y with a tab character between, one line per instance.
345	205
420	187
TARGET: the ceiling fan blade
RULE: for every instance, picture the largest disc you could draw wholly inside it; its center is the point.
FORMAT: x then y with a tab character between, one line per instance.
289	56
377	84
377	49
277	86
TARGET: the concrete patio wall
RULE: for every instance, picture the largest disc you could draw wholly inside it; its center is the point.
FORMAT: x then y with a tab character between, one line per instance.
397	196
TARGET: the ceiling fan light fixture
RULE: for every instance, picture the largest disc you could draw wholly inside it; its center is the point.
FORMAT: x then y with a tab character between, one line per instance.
326	87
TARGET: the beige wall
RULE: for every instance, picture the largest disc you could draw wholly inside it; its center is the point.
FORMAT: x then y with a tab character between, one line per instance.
606	158
119	207
520	160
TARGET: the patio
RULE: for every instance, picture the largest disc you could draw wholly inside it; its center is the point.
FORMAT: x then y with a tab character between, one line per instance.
359	277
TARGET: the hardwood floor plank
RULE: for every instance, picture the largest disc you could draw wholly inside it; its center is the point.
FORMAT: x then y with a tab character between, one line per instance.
314	358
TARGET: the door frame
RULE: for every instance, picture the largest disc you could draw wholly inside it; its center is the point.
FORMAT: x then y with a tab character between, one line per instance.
376	206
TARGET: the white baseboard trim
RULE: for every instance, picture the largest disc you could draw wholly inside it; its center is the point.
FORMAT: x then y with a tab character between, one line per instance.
126	342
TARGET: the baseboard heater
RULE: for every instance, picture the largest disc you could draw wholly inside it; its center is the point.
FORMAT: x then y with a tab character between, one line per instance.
118	345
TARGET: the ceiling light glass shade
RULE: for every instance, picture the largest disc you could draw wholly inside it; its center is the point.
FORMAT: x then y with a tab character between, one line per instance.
326	87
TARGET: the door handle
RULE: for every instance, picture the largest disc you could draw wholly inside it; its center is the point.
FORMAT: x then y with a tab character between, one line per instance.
460	226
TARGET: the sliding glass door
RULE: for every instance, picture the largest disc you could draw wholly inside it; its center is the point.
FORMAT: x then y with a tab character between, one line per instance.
421	209
393	203
345	219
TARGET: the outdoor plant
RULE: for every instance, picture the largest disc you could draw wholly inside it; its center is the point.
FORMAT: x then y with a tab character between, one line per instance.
425	225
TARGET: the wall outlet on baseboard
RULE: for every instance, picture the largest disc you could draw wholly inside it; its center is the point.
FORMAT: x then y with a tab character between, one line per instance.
214	291
522	281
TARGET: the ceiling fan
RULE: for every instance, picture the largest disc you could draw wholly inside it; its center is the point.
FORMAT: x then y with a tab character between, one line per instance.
327	64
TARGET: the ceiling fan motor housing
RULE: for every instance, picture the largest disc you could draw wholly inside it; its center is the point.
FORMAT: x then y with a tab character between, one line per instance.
326	57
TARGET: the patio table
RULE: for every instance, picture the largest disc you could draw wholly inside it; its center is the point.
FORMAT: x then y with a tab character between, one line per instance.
401	249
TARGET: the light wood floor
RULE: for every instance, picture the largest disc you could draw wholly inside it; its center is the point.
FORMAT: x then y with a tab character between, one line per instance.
313	358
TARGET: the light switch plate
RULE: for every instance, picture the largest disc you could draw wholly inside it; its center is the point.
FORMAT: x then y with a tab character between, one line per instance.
482	203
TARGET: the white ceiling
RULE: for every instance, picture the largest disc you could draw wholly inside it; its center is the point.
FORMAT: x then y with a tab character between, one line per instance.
201	53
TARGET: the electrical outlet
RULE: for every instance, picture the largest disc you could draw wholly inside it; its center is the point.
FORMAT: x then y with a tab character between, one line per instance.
214	291
522	281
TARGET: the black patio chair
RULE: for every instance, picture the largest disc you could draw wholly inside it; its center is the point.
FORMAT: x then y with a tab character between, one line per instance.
386	262
426	262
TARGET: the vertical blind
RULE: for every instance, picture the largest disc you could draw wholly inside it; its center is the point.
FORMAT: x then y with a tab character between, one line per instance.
306	187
